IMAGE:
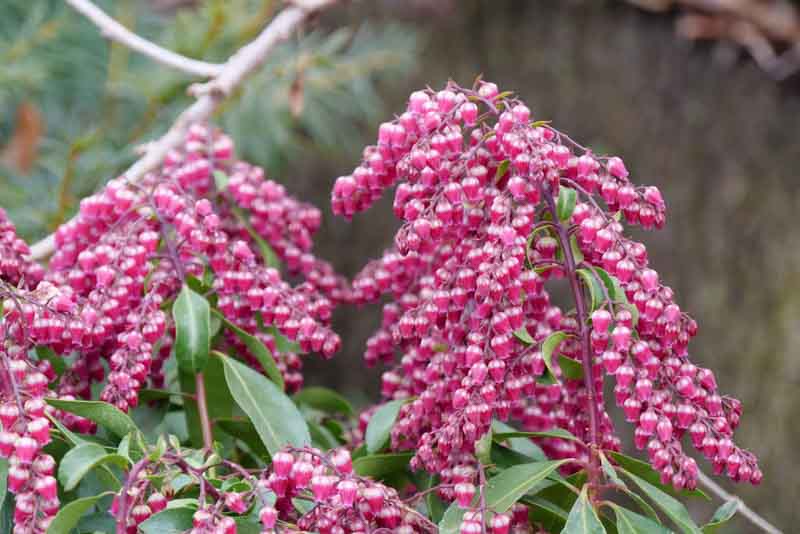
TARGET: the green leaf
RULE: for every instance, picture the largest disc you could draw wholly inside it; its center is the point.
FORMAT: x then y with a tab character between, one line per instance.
380	425
645	471
629	522
220	180
69	515
169	521
321	437
3	483
106	415
522	334
723	514
553	433
256	348
672	508
48	354
483	448
282	343
276	418
583	518
596	294
521	445
610	472
193	330
502	169
244	431
82	459
549	345
503	490
551	516
570	368
380	465
324	399
567	198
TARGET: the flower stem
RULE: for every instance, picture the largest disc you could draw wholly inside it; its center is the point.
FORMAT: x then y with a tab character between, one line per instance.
593	467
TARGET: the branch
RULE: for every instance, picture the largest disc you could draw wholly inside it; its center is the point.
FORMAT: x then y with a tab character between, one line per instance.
236	69
112	29
741	507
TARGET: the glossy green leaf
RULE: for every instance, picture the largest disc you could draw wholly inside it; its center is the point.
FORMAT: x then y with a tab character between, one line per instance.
3	483
502	169
82	459
70	514
523	335
380	465
551	516
275	417
570	368
282	343
321	437
549	345
169	521
722	515
483	448
593	283
48	354
256	348
522	445
629	522
324	399
582	518
244	431
553	433
676	511
565	205
192	316
104	414
503	490
380	425
220	180
646	471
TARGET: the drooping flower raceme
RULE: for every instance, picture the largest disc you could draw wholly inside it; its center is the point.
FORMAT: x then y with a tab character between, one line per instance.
494	207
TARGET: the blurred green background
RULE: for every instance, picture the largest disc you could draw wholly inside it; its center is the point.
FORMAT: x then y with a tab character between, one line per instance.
719	138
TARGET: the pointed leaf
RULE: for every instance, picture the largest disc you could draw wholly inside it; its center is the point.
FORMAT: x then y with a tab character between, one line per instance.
219	400
565	205
645	471
104	414
583	518
523	335
169	521
723	514
503	490
380	465
256	348
553	433
276	418
570	368
380	425
324	399
671	507
82	459
483	448
521	445
632	523
70	514
245	432
549	345
596	294
192	330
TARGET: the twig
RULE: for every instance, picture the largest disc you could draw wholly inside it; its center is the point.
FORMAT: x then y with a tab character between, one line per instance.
112	29
742	508
236	69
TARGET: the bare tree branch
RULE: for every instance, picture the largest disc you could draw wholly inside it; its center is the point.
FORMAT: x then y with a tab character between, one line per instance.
742	508
112	29
236	69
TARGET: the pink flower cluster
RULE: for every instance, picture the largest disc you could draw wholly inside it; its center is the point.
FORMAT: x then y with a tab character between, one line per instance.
477	188
127	253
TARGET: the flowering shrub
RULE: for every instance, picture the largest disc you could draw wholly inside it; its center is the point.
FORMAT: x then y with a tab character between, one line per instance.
165	300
